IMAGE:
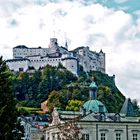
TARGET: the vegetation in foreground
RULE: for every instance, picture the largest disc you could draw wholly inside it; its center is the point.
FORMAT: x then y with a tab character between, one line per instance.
9	127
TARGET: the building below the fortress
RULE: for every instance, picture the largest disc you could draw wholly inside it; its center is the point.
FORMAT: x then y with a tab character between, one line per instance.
24	57
94	122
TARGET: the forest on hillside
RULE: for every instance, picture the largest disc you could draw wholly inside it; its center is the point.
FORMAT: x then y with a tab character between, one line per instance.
63	89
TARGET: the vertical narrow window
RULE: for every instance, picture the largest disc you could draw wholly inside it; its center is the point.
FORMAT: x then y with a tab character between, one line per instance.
53	136
118	136
135	136
85	136
103	136
58	137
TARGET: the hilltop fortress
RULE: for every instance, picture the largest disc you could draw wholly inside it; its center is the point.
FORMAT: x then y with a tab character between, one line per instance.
24	57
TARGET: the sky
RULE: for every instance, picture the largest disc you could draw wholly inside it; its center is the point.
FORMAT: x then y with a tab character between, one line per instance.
110	25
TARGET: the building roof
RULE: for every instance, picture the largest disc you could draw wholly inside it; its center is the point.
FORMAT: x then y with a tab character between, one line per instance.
78	48
93	85
17	59
68	58
64	48
94	106
127	108
21	47
108	117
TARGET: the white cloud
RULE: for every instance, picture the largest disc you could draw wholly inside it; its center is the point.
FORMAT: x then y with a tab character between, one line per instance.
99	27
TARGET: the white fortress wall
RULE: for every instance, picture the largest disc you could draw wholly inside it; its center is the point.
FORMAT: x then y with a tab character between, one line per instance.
17	65
38	61
71	64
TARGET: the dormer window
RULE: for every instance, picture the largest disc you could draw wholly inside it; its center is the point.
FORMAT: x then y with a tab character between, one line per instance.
85	136
102	117
117	117
101	109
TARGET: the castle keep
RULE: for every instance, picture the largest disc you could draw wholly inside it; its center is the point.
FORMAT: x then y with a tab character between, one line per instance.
24	57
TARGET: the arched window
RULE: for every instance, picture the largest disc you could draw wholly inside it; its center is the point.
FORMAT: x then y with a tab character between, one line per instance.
117	117
102	117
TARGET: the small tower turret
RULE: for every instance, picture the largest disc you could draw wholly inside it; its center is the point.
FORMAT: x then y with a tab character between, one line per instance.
54	48
93	105
93	90
102	61
66	45
53	43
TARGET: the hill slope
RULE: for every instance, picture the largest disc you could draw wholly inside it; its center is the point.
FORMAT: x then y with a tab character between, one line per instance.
32	89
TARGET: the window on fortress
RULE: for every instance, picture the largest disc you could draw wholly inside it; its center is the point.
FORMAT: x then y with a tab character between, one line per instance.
20	69
118	136
135	136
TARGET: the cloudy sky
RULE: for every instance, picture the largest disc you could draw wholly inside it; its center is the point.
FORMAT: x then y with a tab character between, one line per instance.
113	25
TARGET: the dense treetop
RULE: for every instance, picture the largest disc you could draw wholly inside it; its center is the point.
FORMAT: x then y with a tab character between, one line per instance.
33	88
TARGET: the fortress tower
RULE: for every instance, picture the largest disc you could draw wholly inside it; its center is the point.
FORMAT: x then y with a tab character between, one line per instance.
53	45
102	61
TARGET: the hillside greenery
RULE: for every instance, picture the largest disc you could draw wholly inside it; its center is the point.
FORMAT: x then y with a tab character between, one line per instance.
23	92
31	89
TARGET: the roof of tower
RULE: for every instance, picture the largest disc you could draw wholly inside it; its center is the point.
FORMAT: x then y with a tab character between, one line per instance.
53	38
94	105
101	51
66	45
127	108
93	85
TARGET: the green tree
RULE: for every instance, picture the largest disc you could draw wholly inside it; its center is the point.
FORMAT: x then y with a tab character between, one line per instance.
53	100
22	86
74	105
43	90
35	80
104	92
8	112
